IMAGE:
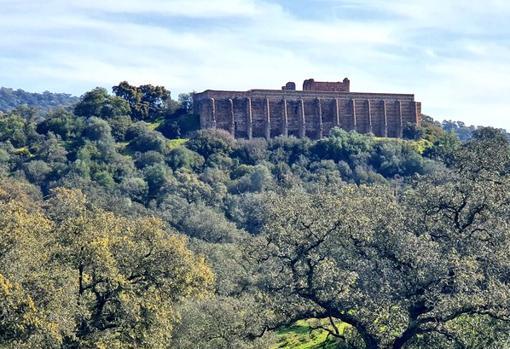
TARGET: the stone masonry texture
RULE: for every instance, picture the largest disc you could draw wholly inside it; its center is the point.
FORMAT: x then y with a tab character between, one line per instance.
312	112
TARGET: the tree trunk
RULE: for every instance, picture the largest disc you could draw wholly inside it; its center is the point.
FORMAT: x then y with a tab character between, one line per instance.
401	341
371	343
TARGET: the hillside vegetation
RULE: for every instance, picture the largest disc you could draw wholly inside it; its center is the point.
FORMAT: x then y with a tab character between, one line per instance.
123	226
44	102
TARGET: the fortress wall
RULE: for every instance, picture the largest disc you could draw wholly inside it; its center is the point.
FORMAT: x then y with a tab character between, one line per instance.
346	116
285	118
270	113
311	119
204	109
241	117
276	94
407	112
363	122
223	114
379	124
258	117
393	115
328	108
276	121
293	115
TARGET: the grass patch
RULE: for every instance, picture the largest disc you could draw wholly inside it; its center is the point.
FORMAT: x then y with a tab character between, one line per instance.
23	151
301	336
155	124
419	145
176	143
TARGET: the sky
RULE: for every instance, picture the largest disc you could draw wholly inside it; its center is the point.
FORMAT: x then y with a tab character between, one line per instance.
454	55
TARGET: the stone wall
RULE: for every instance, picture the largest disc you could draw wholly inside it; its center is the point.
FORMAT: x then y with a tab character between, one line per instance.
310	113
312	85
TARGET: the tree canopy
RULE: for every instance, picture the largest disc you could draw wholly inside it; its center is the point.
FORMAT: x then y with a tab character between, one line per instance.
123	226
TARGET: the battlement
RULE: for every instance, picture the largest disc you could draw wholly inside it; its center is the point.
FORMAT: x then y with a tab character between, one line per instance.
312	85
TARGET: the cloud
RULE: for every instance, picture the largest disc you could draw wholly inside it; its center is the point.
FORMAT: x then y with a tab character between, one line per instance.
453	54
175	8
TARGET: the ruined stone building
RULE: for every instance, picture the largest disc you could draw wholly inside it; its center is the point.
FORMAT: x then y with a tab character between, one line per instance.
312	112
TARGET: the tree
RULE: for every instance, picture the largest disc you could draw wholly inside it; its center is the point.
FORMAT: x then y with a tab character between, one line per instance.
148	158
391	159
182	157
73	275
37	171
251	152
397	267
220	323
185	103
210	142
412	131
120	126
444	148
61	123
147	102
98	102
148	141
126	274
342	145
179	126
19	318
463	131
98	130
12	128
28	297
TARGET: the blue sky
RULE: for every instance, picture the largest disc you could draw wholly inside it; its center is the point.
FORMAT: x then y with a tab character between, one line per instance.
453	54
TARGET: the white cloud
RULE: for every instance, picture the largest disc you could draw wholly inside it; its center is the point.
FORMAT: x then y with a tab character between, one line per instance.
186	8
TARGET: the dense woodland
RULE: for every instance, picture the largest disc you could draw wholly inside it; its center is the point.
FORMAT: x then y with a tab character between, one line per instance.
123	226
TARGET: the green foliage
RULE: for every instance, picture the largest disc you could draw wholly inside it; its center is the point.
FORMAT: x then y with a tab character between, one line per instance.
62	124
37	171
178	126
463	132
181	157
147	141
396	159
11	99
147	102
304	335
444	148
430	129
219	323
99	103
12	129
19	320
342	145
98	130
211	142
400	268
73	275
405	242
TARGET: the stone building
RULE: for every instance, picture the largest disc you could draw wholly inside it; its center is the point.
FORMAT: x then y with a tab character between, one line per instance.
311	112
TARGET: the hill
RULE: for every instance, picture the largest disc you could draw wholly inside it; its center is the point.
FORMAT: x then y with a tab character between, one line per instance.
350	241
44	102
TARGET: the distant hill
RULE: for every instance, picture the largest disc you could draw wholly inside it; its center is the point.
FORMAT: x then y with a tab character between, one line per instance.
46	101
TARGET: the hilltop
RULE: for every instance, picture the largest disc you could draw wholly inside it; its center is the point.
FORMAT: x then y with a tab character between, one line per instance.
168	235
